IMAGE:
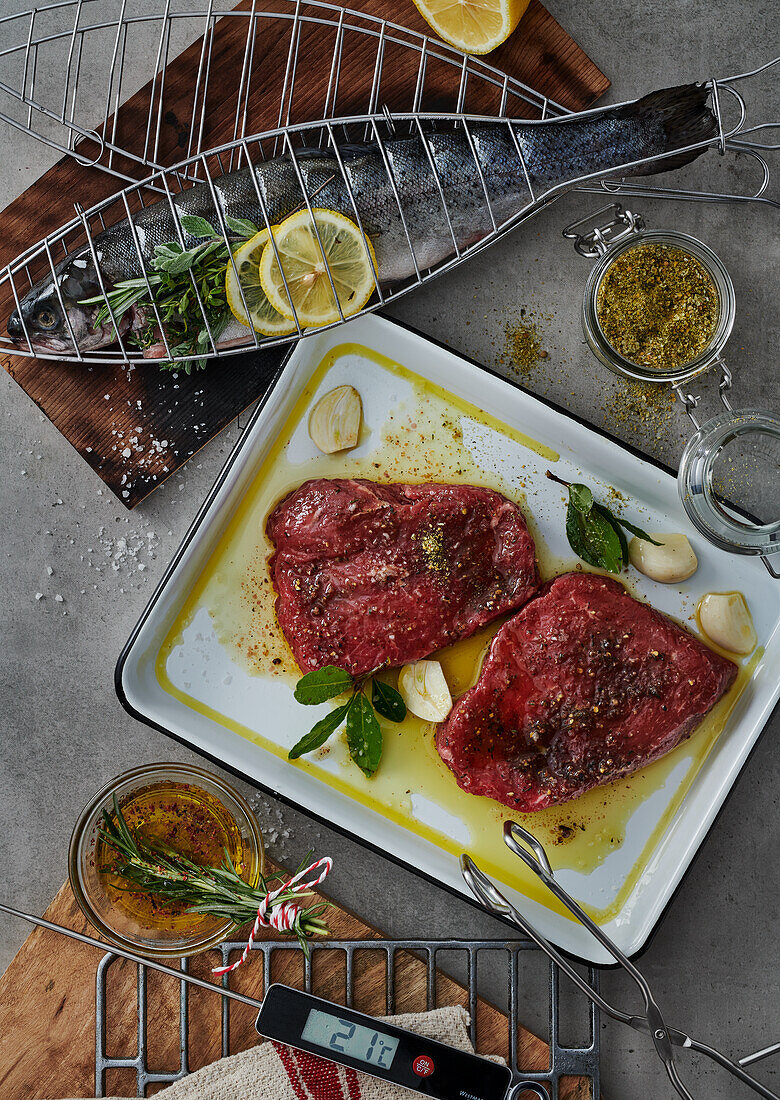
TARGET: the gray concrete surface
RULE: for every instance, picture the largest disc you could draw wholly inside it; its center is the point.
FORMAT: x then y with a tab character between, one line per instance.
714	961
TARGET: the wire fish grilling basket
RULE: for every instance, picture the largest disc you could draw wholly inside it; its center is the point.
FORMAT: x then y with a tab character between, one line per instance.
361	95
68	69
335	135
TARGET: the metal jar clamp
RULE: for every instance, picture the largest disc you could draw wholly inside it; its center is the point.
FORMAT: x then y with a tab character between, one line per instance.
724	523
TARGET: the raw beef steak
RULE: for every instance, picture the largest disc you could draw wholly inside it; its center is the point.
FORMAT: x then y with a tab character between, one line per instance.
371	575
585	684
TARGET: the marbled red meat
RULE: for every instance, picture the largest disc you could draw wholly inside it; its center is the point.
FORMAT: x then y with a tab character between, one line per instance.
371	575
582	686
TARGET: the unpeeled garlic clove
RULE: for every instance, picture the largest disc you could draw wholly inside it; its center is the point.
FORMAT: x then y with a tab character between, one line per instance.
669	563
424	689
334	424
725	619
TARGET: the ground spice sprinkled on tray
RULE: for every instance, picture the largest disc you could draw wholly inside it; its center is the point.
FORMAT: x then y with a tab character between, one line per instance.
657	306
524	347
644	409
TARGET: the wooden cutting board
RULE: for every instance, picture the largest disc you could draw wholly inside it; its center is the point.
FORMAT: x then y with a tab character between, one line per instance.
136	428
47	1009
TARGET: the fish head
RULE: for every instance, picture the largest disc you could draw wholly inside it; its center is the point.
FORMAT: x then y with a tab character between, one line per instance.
53	313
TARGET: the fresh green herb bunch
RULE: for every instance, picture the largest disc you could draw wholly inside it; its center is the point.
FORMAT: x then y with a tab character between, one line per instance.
175	275
214	891
595	533
364	734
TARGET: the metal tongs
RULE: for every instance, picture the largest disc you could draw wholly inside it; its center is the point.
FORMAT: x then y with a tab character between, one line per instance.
665	1039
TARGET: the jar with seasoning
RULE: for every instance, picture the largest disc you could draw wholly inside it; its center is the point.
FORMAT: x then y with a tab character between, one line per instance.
658	308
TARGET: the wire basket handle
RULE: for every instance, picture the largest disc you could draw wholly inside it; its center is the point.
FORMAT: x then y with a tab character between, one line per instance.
743	138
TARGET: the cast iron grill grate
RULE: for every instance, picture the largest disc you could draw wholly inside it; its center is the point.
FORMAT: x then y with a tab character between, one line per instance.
487	974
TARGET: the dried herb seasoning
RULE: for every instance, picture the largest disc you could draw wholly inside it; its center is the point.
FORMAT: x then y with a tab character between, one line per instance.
524	348
657	306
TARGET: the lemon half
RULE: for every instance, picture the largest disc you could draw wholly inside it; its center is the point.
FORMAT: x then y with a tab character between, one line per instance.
473	26
350	259
262	316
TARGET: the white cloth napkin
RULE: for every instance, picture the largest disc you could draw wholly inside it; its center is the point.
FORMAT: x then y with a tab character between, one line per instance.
270	1071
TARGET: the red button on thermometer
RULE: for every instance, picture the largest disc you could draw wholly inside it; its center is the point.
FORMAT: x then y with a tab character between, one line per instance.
423	1065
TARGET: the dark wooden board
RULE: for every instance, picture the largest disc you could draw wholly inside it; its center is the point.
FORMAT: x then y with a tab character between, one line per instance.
137	427
47	1009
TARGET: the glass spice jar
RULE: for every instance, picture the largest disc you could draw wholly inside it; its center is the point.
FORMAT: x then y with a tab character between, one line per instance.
724	321
729	524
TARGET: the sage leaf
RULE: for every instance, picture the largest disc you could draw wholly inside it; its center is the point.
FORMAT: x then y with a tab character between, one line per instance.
175	264
581	497
320	731
242	226
593	538
322	684
387	701
364	735
173	248
197	227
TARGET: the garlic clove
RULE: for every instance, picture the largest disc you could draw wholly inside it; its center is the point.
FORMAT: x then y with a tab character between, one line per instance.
334	423
671	562
424	689
725	619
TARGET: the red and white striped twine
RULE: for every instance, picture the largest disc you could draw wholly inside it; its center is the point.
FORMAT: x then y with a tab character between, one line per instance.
281	917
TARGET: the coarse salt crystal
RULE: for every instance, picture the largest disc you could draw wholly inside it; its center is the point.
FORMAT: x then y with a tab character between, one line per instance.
59	598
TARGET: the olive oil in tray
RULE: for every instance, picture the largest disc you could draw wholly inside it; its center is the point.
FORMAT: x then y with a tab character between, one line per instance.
427	435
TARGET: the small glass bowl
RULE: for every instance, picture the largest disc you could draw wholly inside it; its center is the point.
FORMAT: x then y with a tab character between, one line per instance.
114	921
611	358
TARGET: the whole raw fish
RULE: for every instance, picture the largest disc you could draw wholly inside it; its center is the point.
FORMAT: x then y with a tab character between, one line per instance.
555	152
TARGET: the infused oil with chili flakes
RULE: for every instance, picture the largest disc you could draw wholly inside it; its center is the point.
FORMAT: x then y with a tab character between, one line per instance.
192	822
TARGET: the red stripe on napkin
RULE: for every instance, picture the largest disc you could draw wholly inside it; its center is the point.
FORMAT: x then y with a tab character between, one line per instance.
315	1078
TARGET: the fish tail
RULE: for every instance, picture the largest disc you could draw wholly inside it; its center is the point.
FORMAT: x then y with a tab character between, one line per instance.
685	118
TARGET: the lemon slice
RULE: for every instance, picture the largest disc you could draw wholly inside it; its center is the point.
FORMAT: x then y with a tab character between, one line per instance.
350	258
262	315
473	26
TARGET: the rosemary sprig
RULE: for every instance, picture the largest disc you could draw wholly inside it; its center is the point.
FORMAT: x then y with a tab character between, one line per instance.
215	891
174	270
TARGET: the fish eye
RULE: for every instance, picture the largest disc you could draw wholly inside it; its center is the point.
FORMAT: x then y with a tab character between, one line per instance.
46	318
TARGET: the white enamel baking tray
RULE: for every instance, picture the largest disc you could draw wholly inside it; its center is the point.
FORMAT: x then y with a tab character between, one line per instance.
233	706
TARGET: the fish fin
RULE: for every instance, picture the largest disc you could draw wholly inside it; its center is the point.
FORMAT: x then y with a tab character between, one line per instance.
306	152
686	120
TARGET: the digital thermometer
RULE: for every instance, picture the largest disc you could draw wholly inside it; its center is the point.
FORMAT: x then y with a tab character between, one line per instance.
360	1042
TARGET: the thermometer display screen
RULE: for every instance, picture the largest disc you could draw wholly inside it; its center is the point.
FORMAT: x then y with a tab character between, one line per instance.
342	1036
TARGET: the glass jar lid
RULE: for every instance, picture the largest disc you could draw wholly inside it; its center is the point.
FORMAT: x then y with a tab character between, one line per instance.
609	356
729	481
